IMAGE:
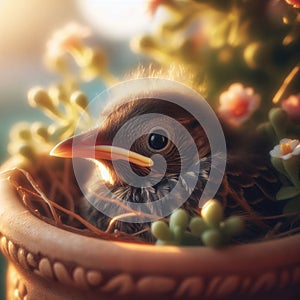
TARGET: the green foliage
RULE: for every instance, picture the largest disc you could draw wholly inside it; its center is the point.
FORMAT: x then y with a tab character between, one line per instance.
254	42
279	127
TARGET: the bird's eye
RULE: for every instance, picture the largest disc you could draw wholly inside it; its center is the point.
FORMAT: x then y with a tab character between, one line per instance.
158	139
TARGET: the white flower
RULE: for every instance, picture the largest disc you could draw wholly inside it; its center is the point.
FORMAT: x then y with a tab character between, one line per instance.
286	149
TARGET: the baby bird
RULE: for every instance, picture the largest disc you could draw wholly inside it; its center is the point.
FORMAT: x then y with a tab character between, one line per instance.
150	146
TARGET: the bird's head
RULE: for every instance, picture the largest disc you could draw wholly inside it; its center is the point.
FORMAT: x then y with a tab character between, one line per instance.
159	141
141	132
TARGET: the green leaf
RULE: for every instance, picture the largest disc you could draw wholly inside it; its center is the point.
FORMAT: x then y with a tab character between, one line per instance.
292	167
287	192
278	165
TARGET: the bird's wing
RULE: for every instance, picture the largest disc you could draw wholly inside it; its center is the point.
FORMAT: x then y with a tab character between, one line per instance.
250	186
249	189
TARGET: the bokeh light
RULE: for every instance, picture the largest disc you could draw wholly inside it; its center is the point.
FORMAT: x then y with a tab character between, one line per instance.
116	18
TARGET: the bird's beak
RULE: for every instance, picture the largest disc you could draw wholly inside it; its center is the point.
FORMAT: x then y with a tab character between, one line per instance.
85	146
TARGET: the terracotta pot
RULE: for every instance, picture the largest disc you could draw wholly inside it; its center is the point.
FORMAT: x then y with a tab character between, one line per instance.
46	262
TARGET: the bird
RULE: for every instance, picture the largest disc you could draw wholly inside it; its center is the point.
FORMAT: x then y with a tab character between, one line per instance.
144	127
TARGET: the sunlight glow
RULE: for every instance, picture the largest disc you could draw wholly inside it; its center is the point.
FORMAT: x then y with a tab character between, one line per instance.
116	19
104	172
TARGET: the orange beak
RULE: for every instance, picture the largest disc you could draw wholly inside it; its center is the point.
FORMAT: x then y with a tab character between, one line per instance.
88	145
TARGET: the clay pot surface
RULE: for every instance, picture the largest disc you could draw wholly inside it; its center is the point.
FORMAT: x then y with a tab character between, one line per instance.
46	262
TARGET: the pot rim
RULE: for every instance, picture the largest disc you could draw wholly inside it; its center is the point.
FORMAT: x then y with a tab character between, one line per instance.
27	231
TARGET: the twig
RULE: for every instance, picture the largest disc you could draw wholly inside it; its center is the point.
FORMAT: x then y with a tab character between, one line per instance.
36	187
53	206
295	213
287	233
278	96
131	212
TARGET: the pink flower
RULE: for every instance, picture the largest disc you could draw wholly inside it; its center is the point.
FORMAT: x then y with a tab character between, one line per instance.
154	4
294	3
237	104
292	106
68	37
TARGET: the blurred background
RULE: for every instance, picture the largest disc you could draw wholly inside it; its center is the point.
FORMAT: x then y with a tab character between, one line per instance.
25	27
255	43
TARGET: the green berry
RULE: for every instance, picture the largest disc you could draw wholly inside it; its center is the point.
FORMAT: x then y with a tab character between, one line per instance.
161	230
178	233
179	218
212	213
233	226
212	238
197	226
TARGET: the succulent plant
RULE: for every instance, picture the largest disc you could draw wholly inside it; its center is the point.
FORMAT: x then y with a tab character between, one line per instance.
209	228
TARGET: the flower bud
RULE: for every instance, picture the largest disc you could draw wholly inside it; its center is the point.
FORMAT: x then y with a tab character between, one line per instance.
291	106
38	97
79	99
21	131
94	65
40	130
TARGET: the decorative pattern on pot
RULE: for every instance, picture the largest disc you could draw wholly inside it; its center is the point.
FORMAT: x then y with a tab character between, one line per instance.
126	284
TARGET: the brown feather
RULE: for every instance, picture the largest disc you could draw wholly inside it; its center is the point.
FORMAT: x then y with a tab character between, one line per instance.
249	184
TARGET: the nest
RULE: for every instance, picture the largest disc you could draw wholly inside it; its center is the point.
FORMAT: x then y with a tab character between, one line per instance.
50	192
